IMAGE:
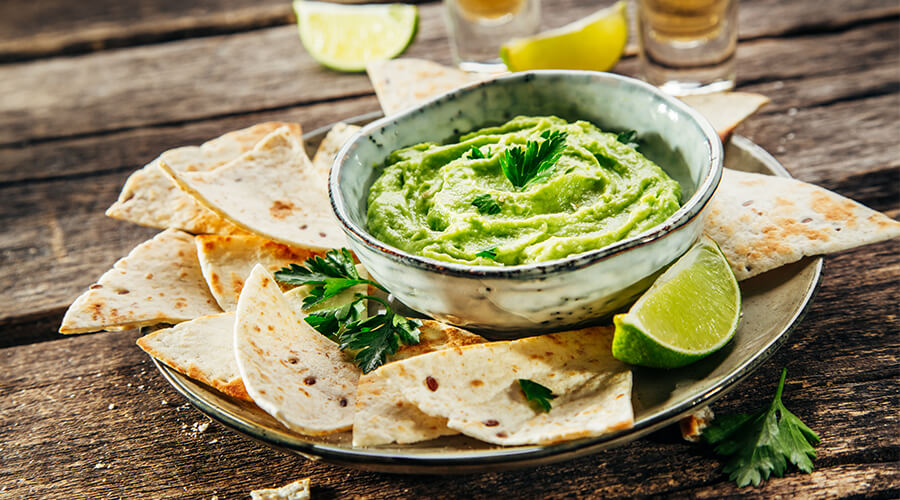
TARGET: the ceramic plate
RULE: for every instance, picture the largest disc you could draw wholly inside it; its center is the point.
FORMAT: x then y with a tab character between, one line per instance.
773	303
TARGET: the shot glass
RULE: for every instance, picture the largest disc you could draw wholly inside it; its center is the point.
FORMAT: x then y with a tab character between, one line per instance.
478	28
688	46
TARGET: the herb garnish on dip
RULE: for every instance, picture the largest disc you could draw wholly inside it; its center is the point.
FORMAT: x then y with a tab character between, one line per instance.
561	188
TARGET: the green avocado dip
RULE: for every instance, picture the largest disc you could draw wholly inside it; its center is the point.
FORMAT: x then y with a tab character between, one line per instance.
452	203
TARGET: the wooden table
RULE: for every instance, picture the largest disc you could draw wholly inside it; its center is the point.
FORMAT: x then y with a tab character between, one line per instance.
89	93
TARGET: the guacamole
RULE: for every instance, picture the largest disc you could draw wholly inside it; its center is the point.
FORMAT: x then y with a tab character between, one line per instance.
449	202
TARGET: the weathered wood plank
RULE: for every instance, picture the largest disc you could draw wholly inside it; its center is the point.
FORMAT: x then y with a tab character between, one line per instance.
57	395
208	77
767	64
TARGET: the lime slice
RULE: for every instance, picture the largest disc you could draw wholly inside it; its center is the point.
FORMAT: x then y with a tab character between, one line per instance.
594	43
346	37
690	312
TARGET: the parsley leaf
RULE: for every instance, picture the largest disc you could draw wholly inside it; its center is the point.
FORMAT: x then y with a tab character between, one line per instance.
373	338
628	137
489	253
762	443
537	394
524	164
486	204
331	275
476	154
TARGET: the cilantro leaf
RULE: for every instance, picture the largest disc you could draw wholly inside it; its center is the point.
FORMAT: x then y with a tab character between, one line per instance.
476	154
331	322
524	164
763	443
486	205
375	337
333	274
628	137
539	395
489	253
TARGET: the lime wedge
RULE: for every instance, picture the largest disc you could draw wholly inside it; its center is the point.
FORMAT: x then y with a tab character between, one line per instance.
690	312
593	43
346	37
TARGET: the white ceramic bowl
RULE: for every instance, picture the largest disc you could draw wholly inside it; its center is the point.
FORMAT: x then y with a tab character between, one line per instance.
516	301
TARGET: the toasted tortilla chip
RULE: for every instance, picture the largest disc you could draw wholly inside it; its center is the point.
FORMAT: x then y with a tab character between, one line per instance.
150	198
762	222
202	349
403	83
331	144
298	490
158	282
383	415
291	371
271	191
226	261
726	110
475	389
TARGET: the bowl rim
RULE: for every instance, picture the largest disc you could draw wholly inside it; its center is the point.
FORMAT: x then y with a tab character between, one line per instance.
687	212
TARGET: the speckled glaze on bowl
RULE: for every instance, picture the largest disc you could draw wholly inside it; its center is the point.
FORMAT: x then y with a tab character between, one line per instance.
515	301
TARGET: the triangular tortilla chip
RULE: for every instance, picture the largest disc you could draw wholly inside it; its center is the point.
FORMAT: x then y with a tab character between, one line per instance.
403	83
330	145
382	414
271	191
298	490
762	222
202	349
226	262
726	110
475	388
158	282
291	371
150	198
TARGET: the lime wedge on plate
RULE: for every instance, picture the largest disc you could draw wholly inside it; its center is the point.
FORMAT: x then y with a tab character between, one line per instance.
346	37
593	43
690	312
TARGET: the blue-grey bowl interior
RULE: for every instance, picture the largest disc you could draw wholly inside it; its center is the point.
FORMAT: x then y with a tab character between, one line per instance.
670	133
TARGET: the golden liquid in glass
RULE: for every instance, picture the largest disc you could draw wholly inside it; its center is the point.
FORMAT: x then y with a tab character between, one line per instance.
489	9
684	20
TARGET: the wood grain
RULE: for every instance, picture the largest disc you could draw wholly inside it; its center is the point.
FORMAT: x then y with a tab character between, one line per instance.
64	439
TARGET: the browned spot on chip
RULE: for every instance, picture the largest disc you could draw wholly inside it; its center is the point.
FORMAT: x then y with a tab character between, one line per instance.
95	286
148	276
281	209
476	383
123	291
431	383
747	203
343	402
491	423
834	210
501	434
309	380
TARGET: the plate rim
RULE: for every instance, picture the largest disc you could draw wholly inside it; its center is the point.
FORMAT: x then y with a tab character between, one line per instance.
466	461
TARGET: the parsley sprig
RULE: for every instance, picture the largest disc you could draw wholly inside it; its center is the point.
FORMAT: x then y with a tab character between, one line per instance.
525	164
762	443
488	253
539	395
486	205
372	338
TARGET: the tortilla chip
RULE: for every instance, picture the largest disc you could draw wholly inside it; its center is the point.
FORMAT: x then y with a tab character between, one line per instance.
762	222
271	191
202	349
291	371
298	490
404	83
726	110
158	282
382	414
331	144
150	198
475	389
226	261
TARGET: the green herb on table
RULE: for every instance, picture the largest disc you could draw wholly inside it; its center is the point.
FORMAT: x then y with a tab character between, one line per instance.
628	137
486	205
475	154
539	395
372	338
528	163
762	443
490	253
